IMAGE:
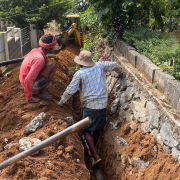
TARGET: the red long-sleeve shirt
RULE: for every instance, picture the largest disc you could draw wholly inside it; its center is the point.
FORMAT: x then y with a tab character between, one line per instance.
31	66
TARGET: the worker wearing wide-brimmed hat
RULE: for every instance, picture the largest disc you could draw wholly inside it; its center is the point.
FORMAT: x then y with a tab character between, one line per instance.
92	82
37	71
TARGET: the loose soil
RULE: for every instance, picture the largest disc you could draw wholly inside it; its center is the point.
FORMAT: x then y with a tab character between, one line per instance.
66	159
61	160
117	158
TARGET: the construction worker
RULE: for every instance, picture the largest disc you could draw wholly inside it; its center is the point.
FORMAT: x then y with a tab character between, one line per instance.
92	82
36	71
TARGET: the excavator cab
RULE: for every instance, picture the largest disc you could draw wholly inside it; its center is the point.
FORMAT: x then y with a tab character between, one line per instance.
75	18
72	32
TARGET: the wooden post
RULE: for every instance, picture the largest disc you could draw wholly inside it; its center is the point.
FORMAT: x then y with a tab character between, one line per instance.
174	64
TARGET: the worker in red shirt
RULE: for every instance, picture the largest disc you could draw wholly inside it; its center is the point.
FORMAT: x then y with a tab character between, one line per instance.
36	71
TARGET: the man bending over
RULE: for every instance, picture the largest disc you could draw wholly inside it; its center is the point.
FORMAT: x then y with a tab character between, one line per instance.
36	71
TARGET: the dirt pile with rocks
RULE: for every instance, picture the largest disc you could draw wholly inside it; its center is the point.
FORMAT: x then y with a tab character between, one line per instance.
138	157
61	160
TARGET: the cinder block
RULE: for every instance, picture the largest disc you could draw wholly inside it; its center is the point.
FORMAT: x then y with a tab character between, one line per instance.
146	67
118	43
172	92
161	79
140	63
122	44
168	85
126	49
149	70
132	57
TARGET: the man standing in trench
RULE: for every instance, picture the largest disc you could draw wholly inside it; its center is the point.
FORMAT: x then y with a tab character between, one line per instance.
37	71
92	82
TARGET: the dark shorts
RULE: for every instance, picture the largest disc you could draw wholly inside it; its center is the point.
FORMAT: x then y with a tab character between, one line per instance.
98	117
40	83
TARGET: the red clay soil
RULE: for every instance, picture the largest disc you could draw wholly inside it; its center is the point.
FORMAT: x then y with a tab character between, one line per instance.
59	160
115	163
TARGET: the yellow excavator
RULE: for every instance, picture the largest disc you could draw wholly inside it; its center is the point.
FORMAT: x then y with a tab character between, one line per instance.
72	32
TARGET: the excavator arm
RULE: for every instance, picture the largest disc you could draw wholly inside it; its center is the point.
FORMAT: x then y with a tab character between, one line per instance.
65	35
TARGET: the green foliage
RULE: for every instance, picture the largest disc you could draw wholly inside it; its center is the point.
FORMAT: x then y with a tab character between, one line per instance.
94	32
108	10
155	85
90	22
157	14
21	12
73	69
99	47
157	46
172	14
88	43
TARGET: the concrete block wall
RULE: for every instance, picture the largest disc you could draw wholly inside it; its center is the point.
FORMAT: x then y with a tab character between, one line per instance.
163	81
12	41
14	46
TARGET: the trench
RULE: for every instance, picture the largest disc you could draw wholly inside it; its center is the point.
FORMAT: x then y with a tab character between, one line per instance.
131	145
140	139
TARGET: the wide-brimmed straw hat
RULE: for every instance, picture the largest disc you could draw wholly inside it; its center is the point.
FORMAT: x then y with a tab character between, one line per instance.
85	59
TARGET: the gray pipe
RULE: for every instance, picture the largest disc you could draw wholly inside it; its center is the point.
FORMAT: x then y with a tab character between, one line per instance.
46	142
13	61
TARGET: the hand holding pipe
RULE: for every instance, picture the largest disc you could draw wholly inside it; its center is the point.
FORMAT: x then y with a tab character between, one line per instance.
75	127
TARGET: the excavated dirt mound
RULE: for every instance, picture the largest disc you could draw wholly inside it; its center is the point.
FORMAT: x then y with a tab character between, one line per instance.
61	160
117	159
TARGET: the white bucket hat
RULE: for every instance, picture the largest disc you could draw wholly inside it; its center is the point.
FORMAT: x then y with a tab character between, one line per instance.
85	59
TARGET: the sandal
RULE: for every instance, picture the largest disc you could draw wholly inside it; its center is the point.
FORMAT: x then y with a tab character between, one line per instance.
96	161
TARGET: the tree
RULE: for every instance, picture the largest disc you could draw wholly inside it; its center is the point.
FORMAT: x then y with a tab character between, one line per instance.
39	12
172	14
146	13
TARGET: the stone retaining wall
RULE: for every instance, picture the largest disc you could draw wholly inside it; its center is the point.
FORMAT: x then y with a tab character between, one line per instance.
137	101
164	82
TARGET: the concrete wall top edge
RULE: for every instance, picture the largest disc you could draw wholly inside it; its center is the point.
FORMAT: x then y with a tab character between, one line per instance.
133	51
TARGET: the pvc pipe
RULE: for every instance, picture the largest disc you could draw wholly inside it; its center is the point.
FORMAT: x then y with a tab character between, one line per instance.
75	127
12	61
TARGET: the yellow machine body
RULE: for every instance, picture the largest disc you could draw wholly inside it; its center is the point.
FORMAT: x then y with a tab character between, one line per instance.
67	35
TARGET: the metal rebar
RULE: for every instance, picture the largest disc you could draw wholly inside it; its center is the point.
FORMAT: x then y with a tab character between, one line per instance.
75	127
